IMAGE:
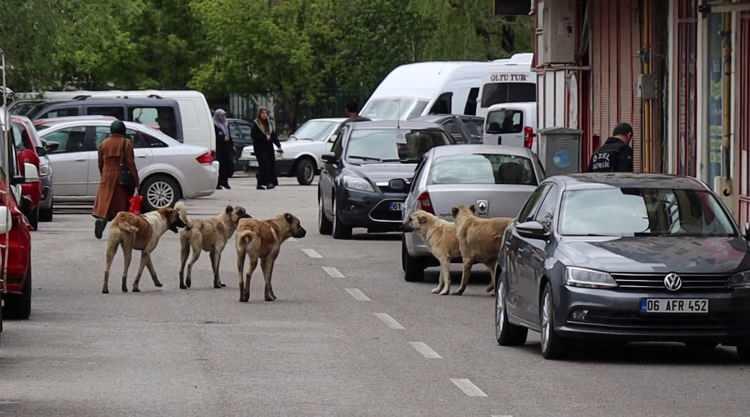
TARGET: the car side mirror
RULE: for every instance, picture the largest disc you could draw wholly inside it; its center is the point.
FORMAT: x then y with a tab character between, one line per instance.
41	151
329	158
533	230
31	173
398	184
51	146
6	220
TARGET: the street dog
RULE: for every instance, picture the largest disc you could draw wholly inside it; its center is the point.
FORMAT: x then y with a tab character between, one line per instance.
440	236
210	235
260	240
141	232
479	242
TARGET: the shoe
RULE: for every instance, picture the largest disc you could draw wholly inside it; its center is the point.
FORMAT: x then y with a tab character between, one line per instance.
99	226
218	187
227	186
261	187
270	186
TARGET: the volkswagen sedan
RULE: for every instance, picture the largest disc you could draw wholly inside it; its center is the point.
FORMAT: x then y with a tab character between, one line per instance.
633	257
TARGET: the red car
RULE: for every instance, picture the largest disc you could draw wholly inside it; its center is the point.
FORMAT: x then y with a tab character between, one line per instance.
27	145
16	244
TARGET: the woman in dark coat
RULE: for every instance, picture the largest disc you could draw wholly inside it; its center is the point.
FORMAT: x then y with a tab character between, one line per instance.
113	197
224	149
264	138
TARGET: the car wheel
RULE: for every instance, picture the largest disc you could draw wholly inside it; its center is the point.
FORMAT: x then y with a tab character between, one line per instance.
325	227
18	306
160	191
743	351
413	267
340	231
34	219
506	333
305	171
701	346
45	215
553	346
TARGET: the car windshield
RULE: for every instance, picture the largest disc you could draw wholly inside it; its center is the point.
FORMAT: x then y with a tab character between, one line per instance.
315	130
392	145
643	212
394	108
482	169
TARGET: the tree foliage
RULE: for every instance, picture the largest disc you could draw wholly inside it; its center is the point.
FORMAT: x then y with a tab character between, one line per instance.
306	53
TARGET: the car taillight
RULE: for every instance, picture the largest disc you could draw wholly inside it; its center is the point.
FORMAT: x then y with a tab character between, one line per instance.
205	158
424	203
528	137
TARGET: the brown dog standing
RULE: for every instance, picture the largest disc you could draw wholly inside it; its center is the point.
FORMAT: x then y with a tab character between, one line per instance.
210	235
479	241
261	240
441	237
140	232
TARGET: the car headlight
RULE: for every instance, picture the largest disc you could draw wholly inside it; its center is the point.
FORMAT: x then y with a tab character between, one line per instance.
740	280
588	278
357	183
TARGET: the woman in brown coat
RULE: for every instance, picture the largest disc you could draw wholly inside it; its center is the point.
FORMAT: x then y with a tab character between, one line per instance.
113	196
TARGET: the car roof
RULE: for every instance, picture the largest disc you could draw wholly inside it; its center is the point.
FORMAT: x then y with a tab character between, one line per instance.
107	123
437	118
394	124
440	151
524	105
626	180
145	101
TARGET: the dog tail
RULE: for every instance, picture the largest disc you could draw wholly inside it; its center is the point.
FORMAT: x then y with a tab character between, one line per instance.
127	227
245	237
182	210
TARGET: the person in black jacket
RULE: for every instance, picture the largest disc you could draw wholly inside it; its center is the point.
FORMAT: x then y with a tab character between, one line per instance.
224	149
615	155
264	138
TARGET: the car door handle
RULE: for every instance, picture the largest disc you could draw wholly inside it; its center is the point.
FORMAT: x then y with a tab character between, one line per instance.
141	157
81	160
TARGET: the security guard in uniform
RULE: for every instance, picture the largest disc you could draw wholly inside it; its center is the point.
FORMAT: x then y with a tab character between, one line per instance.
615	155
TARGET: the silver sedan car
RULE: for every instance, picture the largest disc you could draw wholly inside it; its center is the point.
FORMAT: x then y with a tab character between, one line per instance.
497	180
168	170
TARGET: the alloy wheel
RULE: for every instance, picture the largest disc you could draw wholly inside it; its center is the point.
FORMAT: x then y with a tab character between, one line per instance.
546	320
499	309
160	194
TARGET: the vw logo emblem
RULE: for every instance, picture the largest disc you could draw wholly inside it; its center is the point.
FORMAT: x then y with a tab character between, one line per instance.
673	282
482	207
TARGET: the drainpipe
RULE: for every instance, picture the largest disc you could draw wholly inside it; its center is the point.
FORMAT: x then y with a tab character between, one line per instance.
726	93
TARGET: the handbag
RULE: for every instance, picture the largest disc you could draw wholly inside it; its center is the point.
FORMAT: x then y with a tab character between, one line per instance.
135	204
125	179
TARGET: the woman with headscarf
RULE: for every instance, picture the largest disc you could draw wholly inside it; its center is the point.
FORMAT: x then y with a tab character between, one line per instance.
119	177
264	138
224	149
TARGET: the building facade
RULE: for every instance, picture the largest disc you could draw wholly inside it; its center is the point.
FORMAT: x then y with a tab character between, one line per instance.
677	70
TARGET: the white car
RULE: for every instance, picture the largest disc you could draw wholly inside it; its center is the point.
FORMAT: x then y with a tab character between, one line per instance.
168	170
301	154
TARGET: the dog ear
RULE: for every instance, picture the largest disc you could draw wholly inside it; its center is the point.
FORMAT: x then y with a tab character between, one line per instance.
229	209
473	209
289	218
454	211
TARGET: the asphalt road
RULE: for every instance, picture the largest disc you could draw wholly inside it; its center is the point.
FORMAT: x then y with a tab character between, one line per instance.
347	337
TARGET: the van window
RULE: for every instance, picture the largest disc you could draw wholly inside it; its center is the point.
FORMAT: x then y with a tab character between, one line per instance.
505	121
495	93
159	118
69	140
442	104
113	111
68	112
471	102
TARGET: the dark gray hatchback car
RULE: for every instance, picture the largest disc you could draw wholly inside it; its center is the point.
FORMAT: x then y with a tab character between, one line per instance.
624	256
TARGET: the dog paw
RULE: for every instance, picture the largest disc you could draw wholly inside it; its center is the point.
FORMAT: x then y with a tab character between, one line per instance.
436	290
105	291
158	284
218	285
135	290
490	289
445	292
459	293
183	287
223	285
124	289
188	283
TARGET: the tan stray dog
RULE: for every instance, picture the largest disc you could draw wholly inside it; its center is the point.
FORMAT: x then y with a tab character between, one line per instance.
479	241
210	235
440	236
261	240
140	232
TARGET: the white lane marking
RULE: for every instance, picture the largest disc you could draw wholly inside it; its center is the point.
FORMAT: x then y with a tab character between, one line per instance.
425	350
468	387
312	253
357	294
501	415
389	321
333	272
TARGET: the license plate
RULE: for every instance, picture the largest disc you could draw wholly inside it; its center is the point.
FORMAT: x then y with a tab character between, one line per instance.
396	206
674	305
